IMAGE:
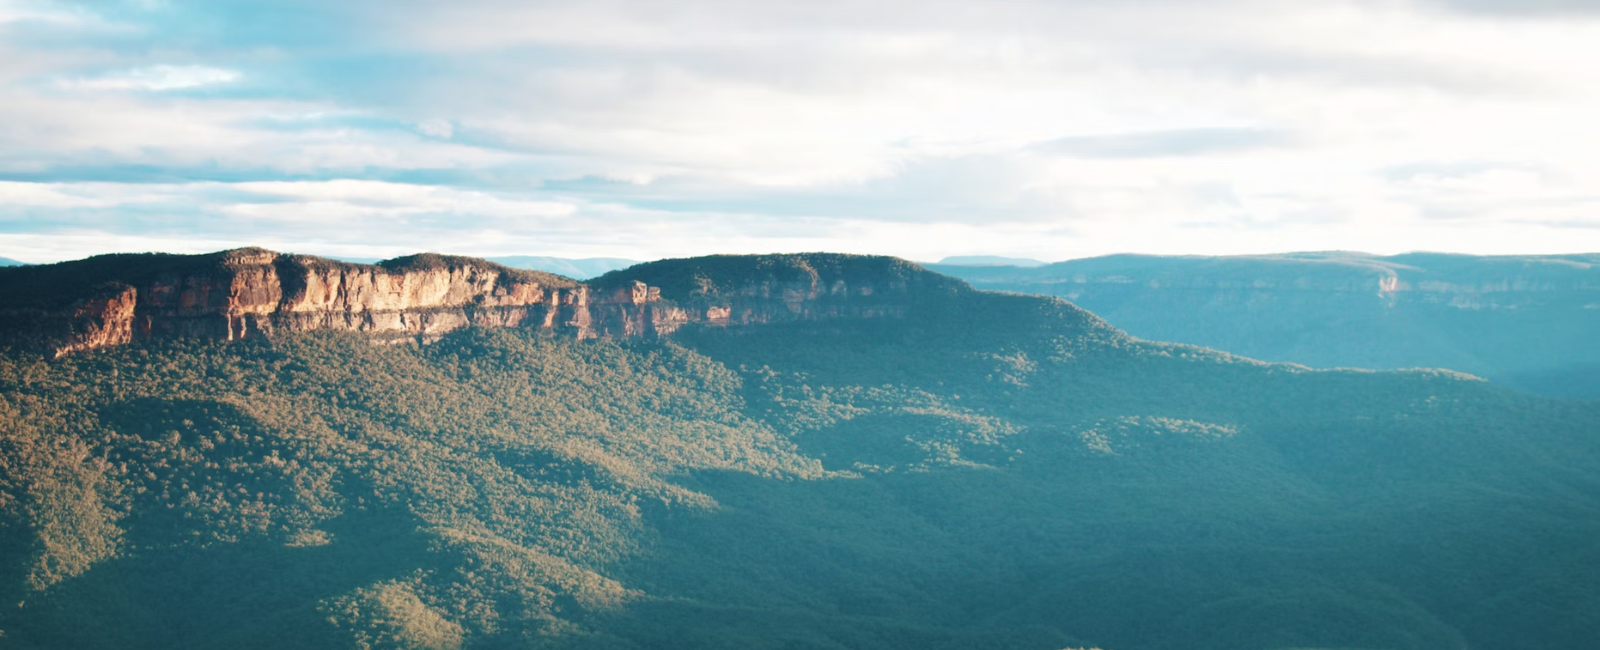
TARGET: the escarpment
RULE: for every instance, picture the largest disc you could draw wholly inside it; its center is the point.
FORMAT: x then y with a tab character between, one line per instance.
724	290
117	299
1527	321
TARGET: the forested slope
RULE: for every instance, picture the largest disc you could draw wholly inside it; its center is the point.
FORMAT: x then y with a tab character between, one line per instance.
981	471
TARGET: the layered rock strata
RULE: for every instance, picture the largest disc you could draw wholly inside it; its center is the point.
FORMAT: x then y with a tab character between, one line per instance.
253	292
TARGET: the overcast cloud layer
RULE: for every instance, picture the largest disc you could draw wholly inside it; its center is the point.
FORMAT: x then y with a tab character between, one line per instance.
629	128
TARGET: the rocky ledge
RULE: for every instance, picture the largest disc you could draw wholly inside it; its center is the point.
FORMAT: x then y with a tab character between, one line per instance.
117	299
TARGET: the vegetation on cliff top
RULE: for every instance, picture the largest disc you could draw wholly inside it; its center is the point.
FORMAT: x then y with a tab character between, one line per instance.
719	275
436	262
59	286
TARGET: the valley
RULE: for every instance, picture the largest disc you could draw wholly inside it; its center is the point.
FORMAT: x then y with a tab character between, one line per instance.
921	465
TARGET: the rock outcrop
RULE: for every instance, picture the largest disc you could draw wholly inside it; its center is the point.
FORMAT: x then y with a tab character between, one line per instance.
114	300
252	292
100	322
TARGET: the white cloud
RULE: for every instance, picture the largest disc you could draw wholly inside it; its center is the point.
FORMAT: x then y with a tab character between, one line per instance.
28	11
47	196
156	78
437	128
310	202
1027	127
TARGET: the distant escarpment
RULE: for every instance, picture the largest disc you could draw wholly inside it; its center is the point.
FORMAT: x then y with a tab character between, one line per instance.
1526	321
112	300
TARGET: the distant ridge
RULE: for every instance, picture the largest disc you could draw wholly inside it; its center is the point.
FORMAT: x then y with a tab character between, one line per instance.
6	261
579	268
990	260
1524	320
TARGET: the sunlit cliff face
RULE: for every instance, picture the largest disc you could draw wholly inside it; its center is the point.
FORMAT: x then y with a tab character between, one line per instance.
254	292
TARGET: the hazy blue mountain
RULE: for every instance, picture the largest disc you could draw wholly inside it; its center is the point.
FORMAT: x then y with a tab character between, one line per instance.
829	451
1526	321
580	268
6	261
357	260
990	260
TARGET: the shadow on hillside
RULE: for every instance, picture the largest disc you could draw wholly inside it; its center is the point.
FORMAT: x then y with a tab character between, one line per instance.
213	597
1109	557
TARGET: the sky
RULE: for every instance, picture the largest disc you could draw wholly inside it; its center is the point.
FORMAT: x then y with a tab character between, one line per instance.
1048	129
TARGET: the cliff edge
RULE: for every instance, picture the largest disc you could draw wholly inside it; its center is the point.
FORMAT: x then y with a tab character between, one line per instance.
112	300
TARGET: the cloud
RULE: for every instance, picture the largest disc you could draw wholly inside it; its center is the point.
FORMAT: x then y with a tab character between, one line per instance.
629	128
156	78
1540	8
437	128
310	200
1153	144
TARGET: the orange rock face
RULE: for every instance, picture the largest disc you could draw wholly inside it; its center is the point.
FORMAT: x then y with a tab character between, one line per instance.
260	292
252	292
102	322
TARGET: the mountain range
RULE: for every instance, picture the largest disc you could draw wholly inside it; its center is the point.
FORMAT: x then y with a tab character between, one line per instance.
1525	321
989	260
258	450
578	268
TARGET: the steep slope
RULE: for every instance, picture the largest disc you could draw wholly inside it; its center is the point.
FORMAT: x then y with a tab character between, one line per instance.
1524	321
879	457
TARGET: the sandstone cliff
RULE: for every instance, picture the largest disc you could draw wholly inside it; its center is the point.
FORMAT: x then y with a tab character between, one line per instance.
117	299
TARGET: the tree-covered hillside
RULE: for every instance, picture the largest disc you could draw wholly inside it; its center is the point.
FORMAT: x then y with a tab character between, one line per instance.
323	491
990	471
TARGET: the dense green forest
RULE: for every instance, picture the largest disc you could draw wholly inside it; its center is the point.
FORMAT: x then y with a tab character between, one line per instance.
990	471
